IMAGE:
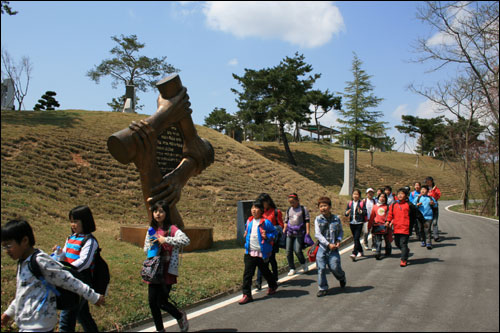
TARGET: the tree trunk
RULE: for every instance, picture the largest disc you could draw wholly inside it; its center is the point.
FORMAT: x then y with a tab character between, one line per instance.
371	158
317	126
355	161
289	154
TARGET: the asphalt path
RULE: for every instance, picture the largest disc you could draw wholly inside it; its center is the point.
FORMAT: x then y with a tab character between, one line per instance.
453	287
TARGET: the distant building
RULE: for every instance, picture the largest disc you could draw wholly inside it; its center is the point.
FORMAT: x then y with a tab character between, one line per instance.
8	94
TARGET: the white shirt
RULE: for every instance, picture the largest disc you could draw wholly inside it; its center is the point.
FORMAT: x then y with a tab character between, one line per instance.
254	236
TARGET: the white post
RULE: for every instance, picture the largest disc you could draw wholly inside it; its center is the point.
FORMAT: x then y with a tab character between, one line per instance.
348	186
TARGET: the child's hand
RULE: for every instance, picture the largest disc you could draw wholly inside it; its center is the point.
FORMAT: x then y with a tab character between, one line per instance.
348	212
431	203
101	300
5	319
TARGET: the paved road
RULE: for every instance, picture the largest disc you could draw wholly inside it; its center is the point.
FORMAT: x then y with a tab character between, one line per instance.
453	287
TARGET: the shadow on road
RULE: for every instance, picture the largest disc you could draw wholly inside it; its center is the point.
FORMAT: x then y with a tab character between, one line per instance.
298	283
424	261
219	330
290	293
348	290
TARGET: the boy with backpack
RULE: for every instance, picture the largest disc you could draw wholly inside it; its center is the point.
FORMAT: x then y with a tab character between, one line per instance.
402	214
18	240
426	205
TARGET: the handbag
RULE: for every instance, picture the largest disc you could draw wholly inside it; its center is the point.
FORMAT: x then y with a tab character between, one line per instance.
308	241
152	270
311	253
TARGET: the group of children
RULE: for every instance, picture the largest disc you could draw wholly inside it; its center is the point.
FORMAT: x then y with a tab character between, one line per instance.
387	216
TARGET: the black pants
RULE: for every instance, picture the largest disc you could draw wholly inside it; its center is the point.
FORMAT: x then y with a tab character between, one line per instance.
402	243
378	243
250	264
158	300
274	268
356	234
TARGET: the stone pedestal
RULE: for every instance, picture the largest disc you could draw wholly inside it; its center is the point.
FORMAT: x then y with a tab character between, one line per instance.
201	237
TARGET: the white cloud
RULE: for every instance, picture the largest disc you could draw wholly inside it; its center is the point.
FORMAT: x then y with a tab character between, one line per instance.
457	15
400	111
429	109
307	24
233	62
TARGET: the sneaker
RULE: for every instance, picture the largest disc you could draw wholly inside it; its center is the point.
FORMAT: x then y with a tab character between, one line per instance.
429	246
423	244
183	322
359	255
403	263
245	299
353	257
343	283
306	267
322	293
378	256
271	291
437	239
366	247
374	249
258	285
292	272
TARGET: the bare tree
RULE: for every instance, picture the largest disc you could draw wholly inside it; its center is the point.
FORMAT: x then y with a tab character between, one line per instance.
20	75
466	35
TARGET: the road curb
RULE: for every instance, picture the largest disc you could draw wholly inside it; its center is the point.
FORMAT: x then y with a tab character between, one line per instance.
447	209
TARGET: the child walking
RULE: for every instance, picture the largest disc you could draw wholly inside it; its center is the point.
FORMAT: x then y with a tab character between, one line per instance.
273	214
34	308
368	202
434	192
171	239
79	251
402	214
259	236
356	211
328	231
425	204
380	227
296	224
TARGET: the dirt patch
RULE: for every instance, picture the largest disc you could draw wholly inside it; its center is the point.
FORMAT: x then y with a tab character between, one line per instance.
79	160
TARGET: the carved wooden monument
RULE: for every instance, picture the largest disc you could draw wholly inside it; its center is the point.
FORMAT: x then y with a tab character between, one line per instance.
166	150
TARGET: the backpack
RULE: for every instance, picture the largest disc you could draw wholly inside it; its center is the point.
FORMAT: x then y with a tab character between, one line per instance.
311	253
100	276
65	299
301	226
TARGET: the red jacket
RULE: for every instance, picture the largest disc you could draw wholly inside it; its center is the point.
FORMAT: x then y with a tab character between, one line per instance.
399	215
378	215
270	215
435	193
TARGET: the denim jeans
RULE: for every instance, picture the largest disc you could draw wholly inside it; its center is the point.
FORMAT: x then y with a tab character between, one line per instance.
294	244
426	231
402	243
435	219
326	259
356	234
378	243
67	321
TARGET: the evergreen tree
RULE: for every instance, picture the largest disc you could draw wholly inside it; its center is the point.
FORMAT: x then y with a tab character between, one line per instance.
218	119
427	129
358	121
47	102
278	94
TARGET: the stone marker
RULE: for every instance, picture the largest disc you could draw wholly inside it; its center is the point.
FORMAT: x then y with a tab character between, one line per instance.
167	151
348	185
243	213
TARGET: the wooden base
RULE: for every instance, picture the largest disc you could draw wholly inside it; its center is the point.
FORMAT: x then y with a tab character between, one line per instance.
201	237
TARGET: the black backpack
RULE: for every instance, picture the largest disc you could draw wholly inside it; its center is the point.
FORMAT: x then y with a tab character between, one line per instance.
100	276
65	299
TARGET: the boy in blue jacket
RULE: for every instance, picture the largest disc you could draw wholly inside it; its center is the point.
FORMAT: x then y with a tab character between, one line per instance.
425	203
259	237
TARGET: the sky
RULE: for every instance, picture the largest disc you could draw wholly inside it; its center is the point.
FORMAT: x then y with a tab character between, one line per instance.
208	41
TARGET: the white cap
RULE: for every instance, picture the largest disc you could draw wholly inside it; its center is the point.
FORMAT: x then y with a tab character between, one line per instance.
370	189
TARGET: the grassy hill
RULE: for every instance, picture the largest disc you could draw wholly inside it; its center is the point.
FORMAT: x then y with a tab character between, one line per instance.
323	163
53	161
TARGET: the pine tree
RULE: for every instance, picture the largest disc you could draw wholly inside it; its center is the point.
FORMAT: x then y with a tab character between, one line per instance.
47	102
358	121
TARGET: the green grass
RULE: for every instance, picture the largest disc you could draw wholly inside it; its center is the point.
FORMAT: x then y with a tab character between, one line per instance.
475	208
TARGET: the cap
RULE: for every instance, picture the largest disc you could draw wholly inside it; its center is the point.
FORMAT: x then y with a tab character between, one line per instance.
370	189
